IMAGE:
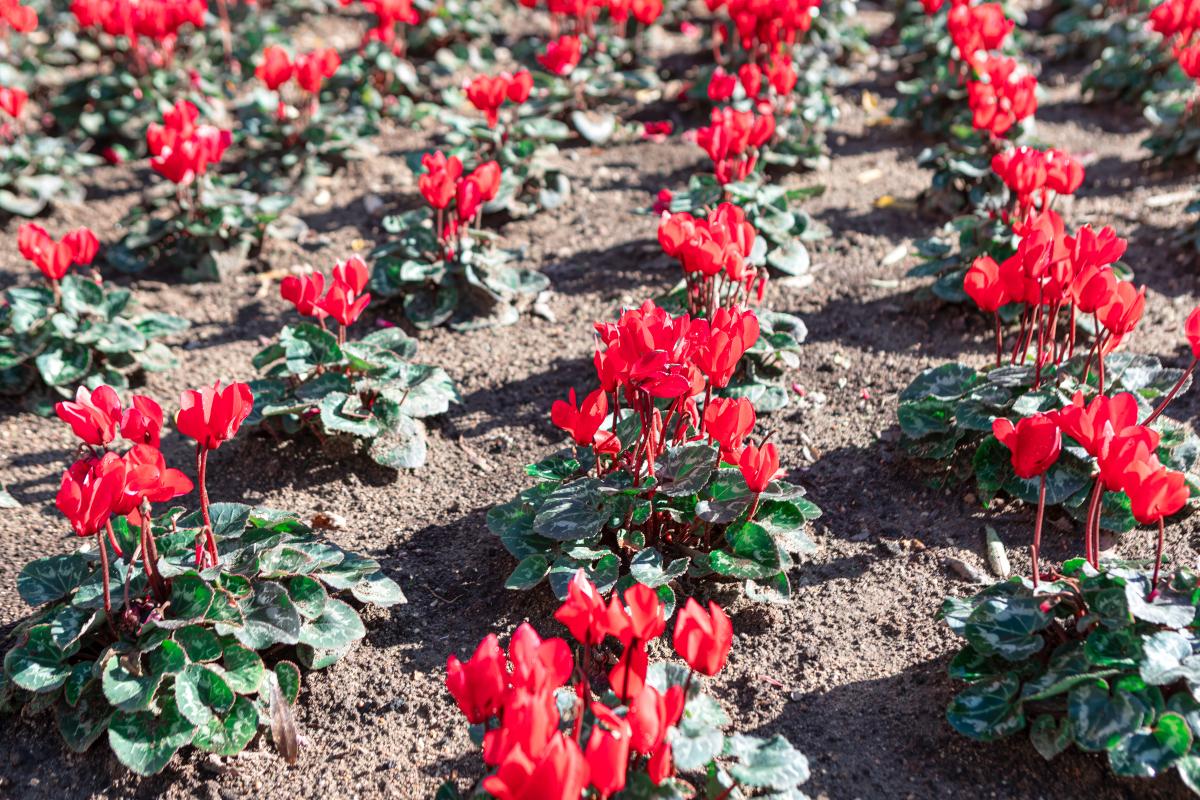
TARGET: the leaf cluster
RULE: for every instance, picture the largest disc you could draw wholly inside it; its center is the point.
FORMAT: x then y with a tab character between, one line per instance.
85	335
37	172
369	389
694	510
188	671
1087	660
479	287
277	154
208	239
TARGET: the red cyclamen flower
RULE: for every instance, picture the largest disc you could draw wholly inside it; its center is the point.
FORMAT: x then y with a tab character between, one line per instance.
1035	443
212	415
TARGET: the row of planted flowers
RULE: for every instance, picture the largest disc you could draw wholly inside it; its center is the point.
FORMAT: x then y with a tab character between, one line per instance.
157	624
1091	654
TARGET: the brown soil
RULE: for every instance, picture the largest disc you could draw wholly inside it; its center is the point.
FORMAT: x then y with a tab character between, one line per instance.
853	671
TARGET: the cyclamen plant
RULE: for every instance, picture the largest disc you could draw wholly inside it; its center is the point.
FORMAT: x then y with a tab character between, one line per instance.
287	133
732	141
164	653
1020	183
550	728
369	389
675	472
212	228
521	141
75	329
154	52
440	268
1170	101
34	170
946	411
1098	652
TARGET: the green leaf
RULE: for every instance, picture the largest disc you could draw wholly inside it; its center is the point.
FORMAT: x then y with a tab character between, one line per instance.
200	644
947	382
308	595
1115	648
227	734
287	675
1101	719
313	391
685	469
423	391
755	553
191	597
1169	608
773	763
378	589
772	589
317	658
427	308
988	710
1067	668
281	561
243	669
63	363
1146	754
229	520
703	708
647	568
270	618
786	520
1167	658
694	744
557	467
337	627
394	339
51	578
81	296
529	573
153	324
82	674
83	723
71	623
37	663
401	445
145	742
970	665
201	693
344	413
603	574
1050	737
306	346
1007	626
346	573
791	257
923	417
573	511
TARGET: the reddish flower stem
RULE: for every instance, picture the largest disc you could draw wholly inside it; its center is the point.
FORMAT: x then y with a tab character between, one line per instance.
1091	534
201	465
112	538
1037	531
1020	336
1071	352
999	341
1171	395
1157	556
105	579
